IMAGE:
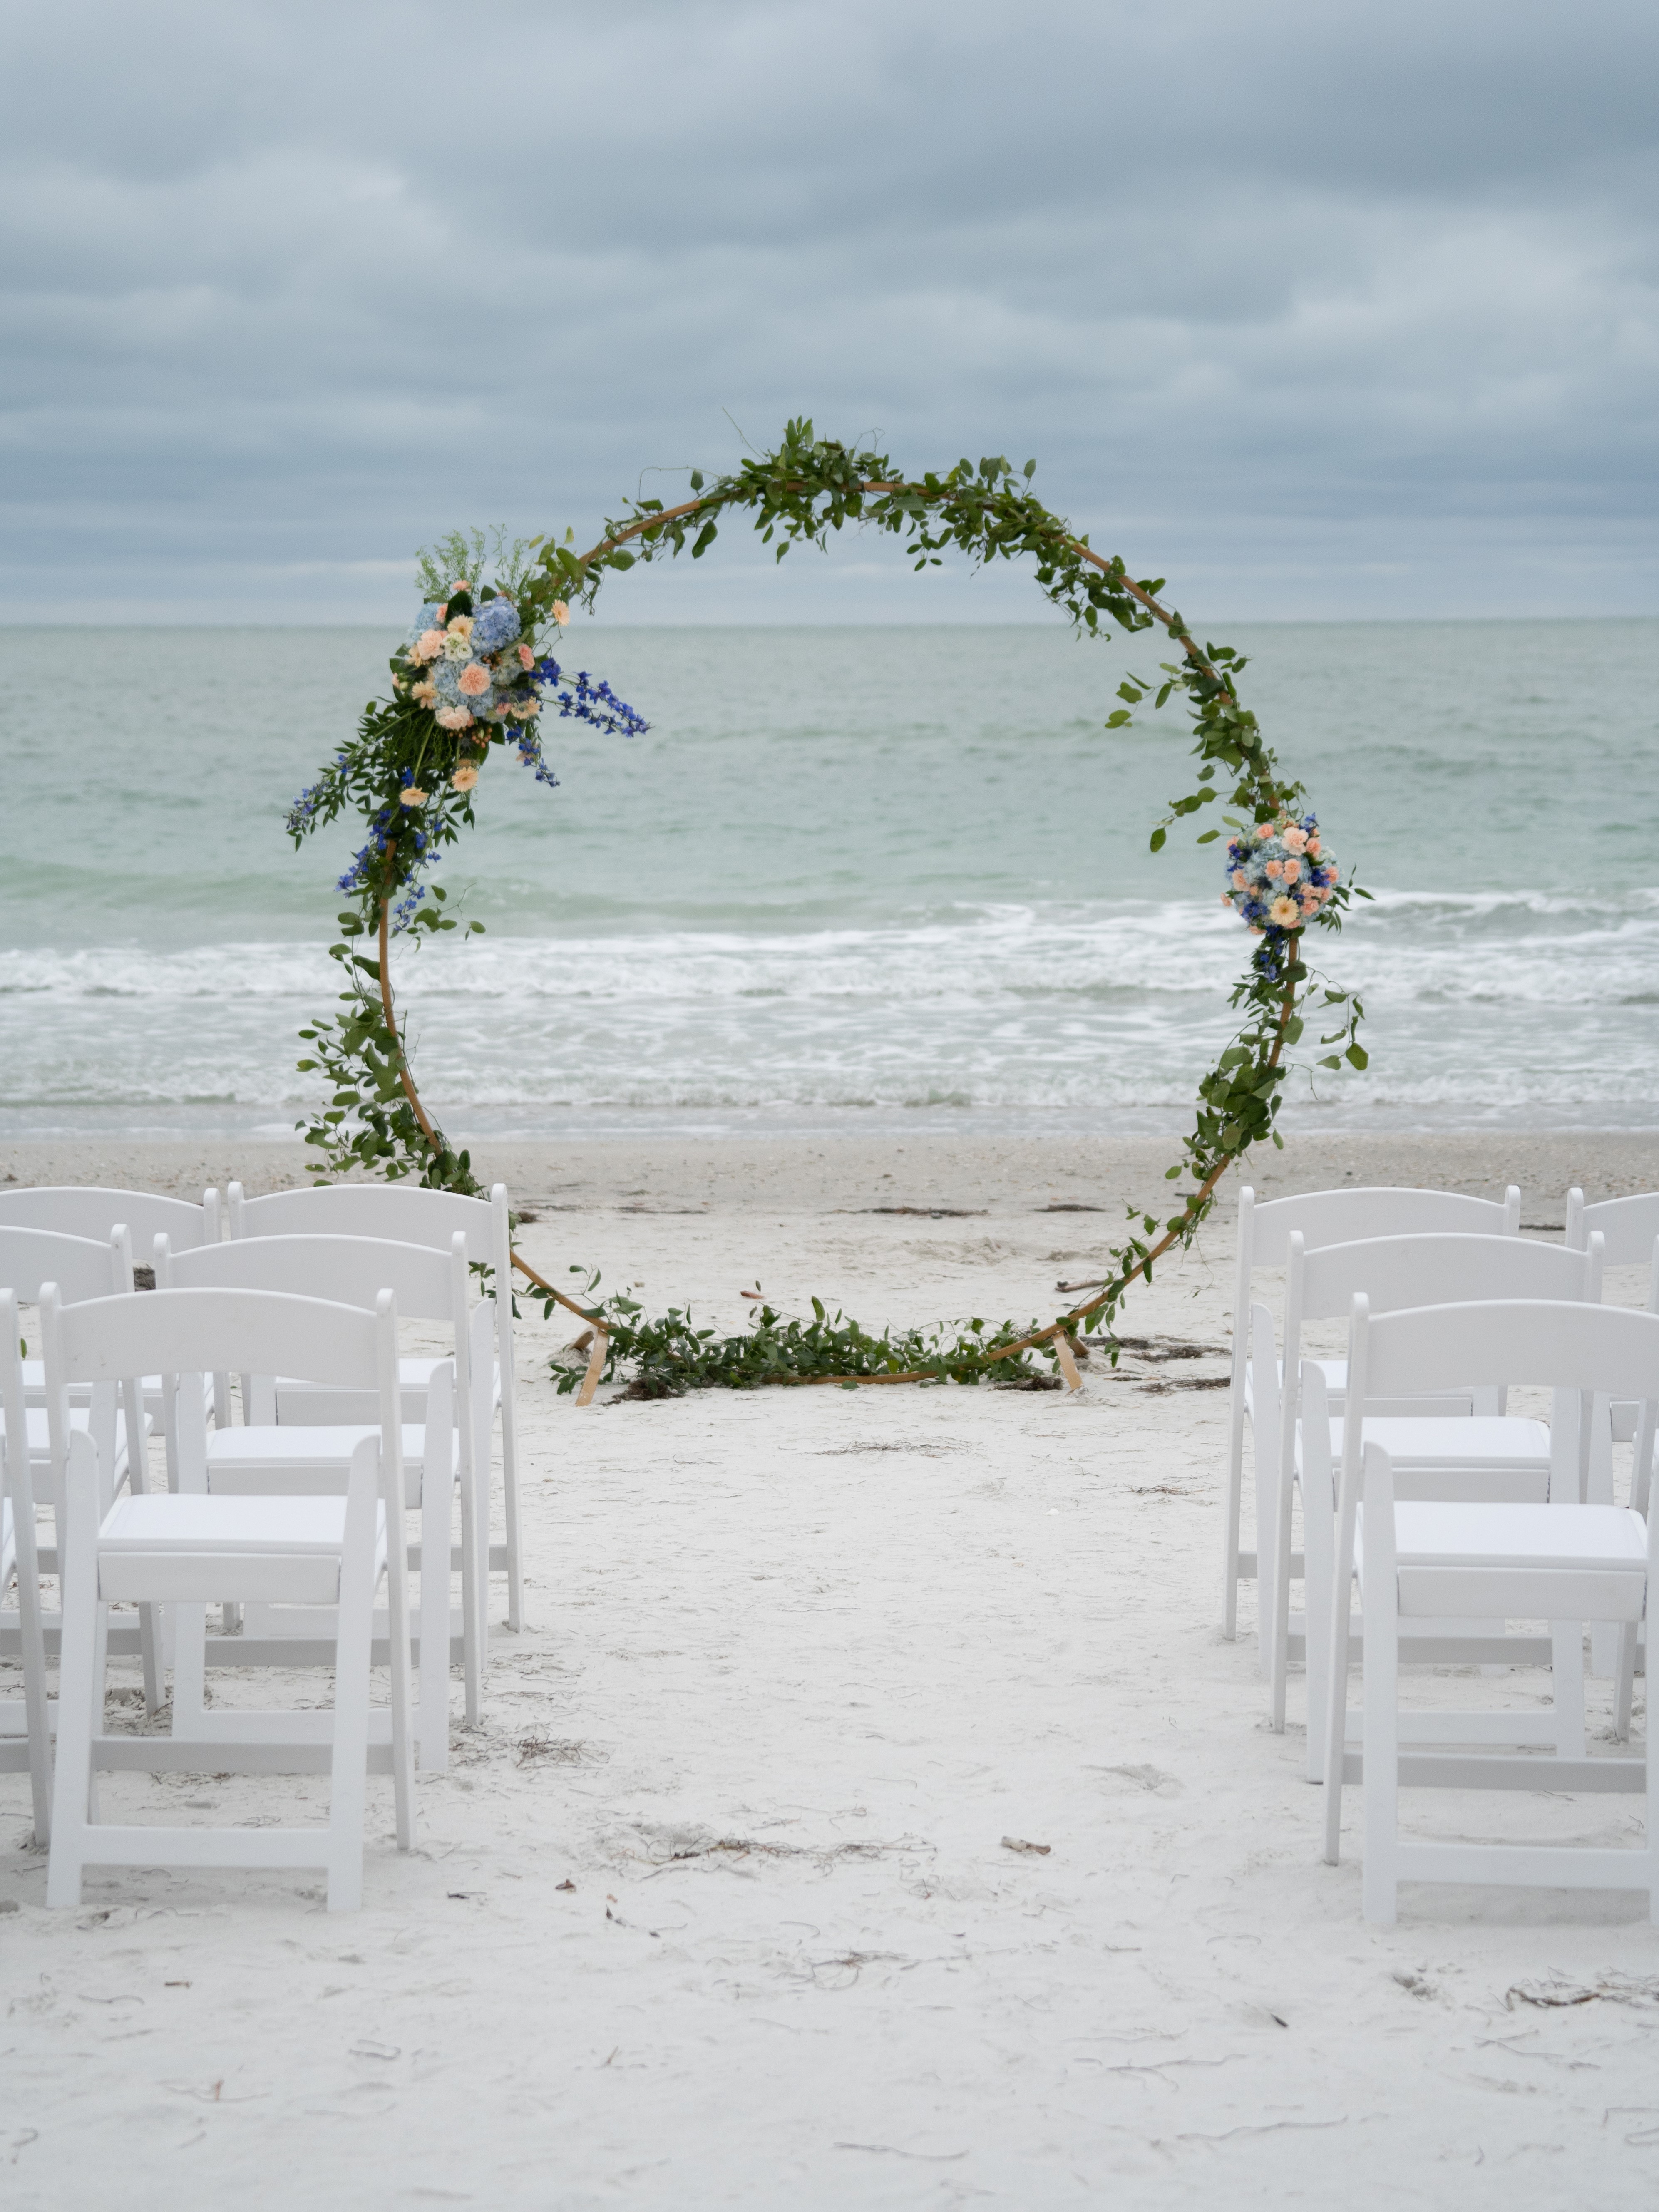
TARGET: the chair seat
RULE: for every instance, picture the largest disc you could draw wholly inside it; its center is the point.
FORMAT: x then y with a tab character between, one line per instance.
1595	1539
303	1461
1335	1372
1471	1440
301	1404
160	1548
81	1420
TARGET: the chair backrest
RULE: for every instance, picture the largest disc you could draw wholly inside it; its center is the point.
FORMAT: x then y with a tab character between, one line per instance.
170	1332
404	1213
1630	1225
1397	1272
1343	1216
1587	1354
81	1266
1552	1343
429	1283
76	1211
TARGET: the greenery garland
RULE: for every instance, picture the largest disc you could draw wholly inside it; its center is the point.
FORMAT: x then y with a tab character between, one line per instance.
411	772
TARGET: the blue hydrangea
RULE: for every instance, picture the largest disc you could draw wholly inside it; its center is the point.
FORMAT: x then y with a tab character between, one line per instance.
496	624
447	682
426	620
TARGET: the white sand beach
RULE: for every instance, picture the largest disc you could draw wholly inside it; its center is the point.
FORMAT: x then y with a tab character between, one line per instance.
871	1813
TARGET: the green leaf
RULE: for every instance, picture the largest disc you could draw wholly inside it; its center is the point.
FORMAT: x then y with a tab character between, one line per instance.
1159	838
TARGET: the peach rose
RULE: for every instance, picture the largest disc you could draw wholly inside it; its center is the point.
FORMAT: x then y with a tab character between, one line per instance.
526	658
1263	830
454	718
1290	870
465	777
1240	880
1296	840
473	679
1313	848
1275	869
427	646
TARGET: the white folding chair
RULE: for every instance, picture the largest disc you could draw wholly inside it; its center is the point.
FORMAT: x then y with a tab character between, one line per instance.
410	1214
441	1452
75	1210
1322	1216
89	1211
191	1550
25	1721
1629	1228
82	1267
1471	1456
1566	1561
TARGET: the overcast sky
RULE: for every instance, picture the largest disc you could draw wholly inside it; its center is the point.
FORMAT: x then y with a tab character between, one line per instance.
1318	309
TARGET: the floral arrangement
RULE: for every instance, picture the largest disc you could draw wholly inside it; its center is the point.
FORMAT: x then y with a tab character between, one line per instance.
1279	873
469	674
473	672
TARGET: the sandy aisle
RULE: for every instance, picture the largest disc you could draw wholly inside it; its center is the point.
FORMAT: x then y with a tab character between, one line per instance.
798	1664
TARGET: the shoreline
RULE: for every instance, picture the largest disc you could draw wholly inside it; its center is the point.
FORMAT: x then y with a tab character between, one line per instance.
924	1172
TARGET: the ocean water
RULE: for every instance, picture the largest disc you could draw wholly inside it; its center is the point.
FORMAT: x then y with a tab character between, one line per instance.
850	879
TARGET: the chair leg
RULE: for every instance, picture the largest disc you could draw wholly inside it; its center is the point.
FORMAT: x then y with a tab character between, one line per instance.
1280	1660
481	1540
1266	1548
1235	1514
398	1640
1624	1691
436	1499
1381	1788
1318	1540
31	1649
472	1620
1567	1670
510	1499
189	1667
80	1684
150	1651
347	1767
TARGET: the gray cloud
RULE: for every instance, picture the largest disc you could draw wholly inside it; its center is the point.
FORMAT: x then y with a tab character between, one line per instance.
1326	311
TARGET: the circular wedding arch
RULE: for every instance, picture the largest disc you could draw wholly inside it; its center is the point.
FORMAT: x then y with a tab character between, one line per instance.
803	490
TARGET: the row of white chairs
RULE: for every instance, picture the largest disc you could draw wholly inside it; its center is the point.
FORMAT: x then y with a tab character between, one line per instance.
1475	1502
291	1521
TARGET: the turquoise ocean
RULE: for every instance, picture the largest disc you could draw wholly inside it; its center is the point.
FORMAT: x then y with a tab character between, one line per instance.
850	880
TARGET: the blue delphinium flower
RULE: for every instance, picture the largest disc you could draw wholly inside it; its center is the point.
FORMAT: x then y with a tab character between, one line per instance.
592	702
496	624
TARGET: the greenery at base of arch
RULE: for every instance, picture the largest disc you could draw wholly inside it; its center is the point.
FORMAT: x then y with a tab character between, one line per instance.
411	773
